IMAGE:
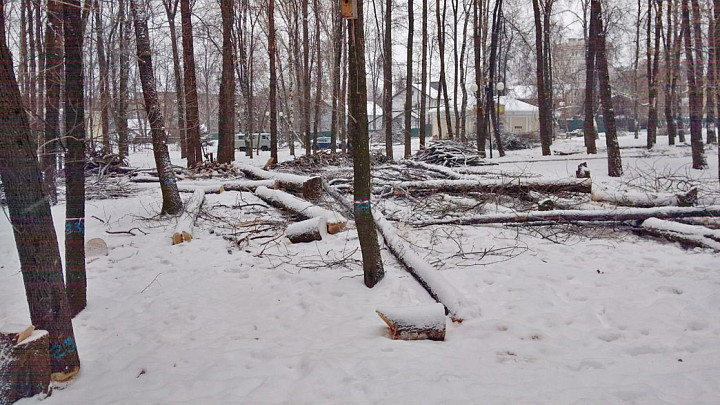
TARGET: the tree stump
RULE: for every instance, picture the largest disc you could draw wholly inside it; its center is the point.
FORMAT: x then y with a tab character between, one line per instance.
24	363
307	231
415	323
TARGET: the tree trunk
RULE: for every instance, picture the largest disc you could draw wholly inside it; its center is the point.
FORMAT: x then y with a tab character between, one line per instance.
74	159
336	72
306	78
122	102
716	13
32	223
54	80
712	83
318	75
670	76
589	104
387	80
172	204
192	117
408	82
492	111
441	54
695	91
273	83
480	126
423	74
226	99
358	133
545	115
171	12
653	59
103	82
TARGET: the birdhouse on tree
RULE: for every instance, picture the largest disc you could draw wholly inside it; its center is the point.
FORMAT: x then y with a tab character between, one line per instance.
348	9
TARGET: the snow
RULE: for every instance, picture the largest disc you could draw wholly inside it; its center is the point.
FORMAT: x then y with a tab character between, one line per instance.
608	319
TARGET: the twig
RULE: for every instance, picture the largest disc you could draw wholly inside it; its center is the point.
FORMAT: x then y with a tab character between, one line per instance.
129	232
153	280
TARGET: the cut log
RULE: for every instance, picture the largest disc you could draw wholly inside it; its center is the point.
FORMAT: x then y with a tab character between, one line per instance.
645	200
415	323
250	185
504	186
96	247
687	235
209	189
186	222
308	230
283	200
568	216
449	173
270	163
310	187
24	363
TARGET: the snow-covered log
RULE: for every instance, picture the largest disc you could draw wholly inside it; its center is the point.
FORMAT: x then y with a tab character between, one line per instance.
24	363
208	189
692	235
645	200
250	185
564	216
307	231
433	282
505	186
145	179
186	222
415	323
283	200
310	187
449	173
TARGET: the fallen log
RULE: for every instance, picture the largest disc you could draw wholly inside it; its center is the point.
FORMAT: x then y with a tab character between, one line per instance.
250	185
283	200
645	200
308	230
186	222
438	288
449	173
24	363
505	186
310	187
208	189
615	214
415	323
689	235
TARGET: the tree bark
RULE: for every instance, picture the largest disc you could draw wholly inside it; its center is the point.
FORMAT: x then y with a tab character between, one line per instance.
670	76
192	117
172	204
103	84
32	223
74	158
273	82
358	133
423	74
122	102
171	12
441	54
480	126
54	80
408	82
306	78
590	133
653	63
336	73
226	99
613	148
695	90
387	80
545	115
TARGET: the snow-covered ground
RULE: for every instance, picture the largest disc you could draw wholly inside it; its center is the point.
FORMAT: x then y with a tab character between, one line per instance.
601	318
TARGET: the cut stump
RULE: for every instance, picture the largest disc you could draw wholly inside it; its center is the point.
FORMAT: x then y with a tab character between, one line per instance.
184	229
415	323
308	230
24	363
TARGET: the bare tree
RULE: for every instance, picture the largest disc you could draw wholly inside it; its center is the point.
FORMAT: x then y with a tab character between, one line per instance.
226	101
387	79
671	44
54	81
440	14
32	222
589	104
194	153
103	84
653	65
408	81
358	132
693	71
273	82
424	74
171	11
544	86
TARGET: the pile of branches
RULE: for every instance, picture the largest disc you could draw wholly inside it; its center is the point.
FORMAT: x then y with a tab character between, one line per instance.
208	169
101	162
449	154
325	158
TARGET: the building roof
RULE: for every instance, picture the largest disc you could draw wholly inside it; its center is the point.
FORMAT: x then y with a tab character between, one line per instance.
515	105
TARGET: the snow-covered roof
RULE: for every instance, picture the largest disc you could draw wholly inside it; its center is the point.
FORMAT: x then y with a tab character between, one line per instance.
515	105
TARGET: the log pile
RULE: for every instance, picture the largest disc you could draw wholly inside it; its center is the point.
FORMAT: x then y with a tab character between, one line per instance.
24	363
449	154
99	162
208	169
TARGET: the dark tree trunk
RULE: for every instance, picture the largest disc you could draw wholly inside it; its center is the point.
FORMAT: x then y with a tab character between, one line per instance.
653	63
226	100
358	132
493	110
32	221
54	80
712	83
318	75
122	102
545	115
387	80
423	73
74	159
670	76
273	83
192	117
695	92
336	72
306	78
103	84
408	81
716	13
441	54
171	12
589	104
613	148
41	59
172	204
480	126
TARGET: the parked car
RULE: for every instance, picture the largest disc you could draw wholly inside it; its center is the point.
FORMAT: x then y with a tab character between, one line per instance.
259	140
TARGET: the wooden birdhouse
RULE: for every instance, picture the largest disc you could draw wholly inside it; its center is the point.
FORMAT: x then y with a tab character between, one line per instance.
348	9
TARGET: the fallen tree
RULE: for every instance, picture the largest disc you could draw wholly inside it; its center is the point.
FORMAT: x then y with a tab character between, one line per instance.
208	189
505	186
184	228
645	200
283	200
415	323
308	230
310	187
615	214
689	235
436	285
